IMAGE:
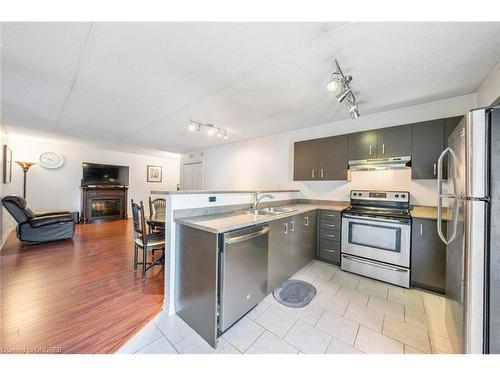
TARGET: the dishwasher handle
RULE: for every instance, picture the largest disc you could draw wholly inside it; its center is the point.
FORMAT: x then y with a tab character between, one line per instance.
247	237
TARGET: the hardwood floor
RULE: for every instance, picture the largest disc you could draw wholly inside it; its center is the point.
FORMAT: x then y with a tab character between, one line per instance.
76	296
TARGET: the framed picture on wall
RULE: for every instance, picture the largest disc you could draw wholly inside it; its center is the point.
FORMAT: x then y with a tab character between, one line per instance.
154	173
7	164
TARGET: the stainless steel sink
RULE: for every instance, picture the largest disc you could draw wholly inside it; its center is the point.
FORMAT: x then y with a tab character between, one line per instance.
281	209
260	212
270	211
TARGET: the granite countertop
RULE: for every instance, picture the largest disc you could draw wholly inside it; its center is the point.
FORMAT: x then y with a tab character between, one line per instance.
428	212
185	192
220	223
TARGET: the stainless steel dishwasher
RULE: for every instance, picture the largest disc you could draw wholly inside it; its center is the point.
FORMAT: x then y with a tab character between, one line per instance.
243	273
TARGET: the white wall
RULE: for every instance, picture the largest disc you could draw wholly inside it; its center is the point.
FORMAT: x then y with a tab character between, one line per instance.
267	162
59	188
489	90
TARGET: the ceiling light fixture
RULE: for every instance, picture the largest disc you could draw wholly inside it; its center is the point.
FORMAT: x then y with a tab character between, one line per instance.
338	79
211	129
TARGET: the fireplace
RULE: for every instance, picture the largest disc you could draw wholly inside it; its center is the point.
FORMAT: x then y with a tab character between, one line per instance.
102	203
105	209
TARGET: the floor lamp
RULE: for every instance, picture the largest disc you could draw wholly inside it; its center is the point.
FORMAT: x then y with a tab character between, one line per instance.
25	165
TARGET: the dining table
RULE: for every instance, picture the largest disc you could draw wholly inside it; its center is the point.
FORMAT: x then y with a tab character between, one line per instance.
157	220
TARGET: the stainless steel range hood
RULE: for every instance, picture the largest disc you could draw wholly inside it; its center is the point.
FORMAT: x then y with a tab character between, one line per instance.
400	162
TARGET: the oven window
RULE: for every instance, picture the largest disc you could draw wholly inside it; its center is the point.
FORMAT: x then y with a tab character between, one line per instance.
377	236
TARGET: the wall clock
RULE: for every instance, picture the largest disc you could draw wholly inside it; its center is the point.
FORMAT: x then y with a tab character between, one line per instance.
51	160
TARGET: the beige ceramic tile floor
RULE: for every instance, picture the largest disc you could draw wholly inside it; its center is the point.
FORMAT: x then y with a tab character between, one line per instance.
350	315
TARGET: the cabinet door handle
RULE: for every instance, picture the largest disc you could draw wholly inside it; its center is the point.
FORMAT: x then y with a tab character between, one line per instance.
331	235
370	149
434	169
306	221
286	228
312	173
330	225
421	229
322	173
383	148
329	251
292	226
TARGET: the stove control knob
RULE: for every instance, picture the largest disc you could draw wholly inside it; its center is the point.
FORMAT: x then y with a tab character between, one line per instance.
403	196
397	196
354	194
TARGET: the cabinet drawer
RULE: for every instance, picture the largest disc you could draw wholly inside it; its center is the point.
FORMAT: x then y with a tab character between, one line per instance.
329	250
326	234
330	215
329	224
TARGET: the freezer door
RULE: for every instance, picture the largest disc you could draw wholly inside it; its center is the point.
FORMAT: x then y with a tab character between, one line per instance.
477	150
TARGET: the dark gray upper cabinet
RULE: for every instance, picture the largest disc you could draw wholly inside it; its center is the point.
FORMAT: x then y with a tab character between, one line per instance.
394	141
449	125
327	158
428	256
427	145
332	158
320	159
305	162
363	145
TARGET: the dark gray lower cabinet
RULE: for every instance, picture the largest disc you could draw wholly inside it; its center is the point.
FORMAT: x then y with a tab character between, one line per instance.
292	244
329	250
428	256
329	236
277	269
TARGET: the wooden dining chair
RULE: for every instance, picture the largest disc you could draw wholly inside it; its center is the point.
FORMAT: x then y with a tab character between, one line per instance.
157	205
146	241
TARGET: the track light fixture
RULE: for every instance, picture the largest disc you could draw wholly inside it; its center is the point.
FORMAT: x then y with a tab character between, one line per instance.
338	79
210	128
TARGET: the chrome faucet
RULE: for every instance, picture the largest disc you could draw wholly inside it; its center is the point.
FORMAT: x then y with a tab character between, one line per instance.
257	199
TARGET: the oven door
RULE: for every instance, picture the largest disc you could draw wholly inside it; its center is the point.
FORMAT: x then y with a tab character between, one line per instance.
383	239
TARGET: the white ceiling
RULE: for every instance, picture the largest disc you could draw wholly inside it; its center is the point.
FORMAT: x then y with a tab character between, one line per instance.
138	83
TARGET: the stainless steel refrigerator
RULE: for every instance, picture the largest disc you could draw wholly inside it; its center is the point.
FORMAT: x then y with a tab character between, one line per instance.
471	195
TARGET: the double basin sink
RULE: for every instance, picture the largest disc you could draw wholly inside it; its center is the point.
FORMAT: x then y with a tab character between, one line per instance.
270	211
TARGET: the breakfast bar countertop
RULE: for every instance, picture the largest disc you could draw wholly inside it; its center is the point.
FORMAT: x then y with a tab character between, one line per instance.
220	223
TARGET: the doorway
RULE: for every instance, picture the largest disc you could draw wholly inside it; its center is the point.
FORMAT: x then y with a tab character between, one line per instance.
192	176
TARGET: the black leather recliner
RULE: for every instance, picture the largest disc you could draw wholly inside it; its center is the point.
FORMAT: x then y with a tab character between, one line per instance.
41	227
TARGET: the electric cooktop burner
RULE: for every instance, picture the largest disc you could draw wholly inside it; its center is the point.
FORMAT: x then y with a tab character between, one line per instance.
380	203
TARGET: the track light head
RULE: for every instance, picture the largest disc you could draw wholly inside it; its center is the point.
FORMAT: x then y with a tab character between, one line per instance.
341	97
333	83
193	127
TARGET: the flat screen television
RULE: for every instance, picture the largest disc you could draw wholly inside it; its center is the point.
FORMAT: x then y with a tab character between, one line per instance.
104	174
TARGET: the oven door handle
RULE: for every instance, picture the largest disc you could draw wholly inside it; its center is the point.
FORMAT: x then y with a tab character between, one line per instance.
375	264
397	221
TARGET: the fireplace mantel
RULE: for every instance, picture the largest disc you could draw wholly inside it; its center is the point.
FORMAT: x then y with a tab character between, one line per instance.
103	203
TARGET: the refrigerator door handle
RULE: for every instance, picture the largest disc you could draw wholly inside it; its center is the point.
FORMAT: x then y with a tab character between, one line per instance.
441	196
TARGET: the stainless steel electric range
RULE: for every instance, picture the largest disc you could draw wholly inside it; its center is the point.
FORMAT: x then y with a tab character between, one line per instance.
376	236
